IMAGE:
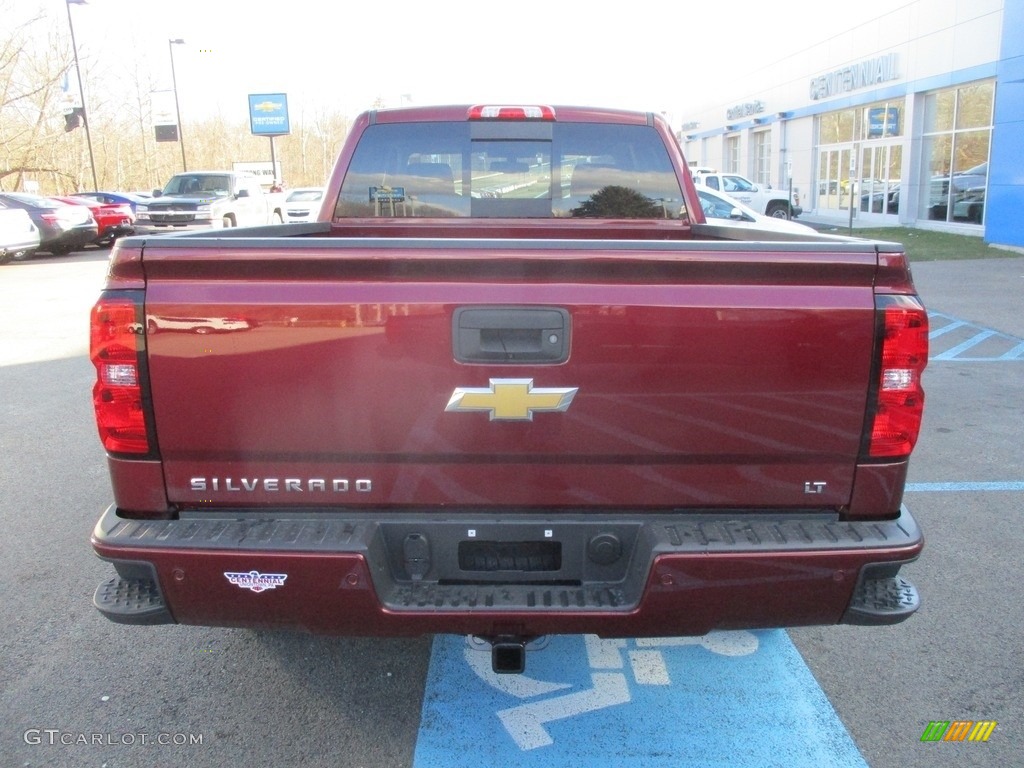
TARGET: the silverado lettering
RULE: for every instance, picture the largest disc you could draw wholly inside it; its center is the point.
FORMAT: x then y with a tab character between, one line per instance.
584	409
272	484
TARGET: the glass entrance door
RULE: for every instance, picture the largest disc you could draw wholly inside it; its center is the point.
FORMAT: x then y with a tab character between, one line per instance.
834	178
879	185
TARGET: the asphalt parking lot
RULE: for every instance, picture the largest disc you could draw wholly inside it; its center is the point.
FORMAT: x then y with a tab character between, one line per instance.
80	691
959	657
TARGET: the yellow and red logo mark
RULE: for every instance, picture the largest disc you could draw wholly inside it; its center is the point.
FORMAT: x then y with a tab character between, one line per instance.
958	730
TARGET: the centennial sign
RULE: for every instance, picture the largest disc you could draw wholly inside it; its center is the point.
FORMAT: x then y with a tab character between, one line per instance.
880	69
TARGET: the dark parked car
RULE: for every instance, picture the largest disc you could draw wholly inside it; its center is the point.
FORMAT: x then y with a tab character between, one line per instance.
62	227
112	219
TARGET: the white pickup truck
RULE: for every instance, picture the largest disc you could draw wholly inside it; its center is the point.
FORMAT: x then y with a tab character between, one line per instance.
765	200
208	199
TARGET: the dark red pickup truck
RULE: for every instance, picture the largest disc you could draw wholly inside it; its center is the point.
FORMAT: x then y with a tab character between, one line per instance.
510	384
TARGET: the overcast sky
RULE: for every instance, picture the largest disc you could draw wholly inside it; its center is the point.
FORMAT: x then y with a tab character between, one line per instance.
654	55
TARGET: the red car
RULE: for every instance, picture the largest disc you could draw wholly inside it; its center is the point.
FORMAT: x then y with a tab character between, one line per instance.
112	219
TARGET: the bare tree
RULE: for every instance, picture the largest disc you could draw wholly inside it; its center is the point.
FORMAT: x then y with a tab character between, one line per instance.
36	60
30	78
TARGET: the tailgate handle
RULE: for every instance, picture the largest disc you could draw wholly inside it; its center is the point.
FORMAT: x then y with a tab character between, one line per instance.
510	335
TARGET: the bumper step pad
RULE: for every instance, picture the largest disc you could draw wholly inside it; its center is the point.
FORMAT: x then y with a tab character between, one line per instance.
885	600
132	601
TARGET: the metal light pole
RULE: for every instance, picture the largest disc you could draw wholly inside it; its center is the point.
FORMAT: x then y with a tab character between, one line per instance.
81	93
177	109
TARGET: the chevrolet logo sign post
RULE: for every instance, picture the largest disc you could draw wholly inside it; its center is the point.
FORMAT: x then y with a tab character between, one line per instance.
511	399
268	114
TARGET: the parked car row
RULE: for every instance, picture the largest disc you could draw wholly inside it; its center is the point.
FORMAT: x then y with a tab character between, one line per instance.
63	227
59	225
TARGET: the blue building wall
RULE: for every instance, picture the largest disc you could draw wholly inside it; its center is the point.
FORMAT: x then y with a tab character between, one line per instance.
1004	217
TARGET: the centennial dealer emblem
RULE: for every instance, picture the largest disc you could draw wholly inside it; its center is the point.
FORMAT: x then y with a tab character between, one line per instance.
511	399
255	581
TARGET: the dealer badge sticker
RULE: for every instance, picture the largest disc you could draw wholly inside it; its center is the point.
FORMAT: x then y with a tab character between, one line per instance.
255	581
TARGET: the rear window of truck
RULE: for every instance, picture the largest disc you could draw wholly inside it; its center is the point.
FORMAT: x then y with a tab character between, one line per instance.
444	170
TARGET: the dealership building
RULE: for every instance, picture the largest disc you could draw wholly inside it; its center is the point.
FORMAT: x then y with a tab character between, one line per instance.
914	118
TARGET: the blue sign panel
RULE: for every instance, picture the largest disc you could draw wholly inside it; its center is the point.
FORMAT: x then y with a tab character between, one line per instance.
883	121
268	114
733	699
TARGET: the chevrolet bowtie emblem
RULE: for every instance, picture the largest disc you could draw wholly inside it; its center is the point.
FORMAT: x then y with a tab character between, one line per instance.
511	399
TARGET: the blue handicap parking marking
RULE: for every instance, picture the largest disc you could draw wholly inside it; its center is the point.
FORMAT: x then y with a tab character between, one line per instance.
952	339
727	699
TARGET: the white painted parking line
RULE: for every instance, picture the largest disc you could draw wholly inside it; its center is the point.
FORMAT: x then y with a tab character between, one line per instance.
728	699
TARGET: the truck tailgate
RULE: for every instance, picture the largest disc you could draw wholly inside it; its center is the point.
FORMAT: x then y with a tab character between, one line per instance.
694	374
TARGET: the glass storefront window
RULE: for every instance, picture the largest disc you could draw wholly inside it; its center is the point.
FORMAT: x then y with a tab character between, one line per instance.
955	176
837	127
870	135
834	188
763	157
938	111
970	149
882	120
974	105
732	154
881	166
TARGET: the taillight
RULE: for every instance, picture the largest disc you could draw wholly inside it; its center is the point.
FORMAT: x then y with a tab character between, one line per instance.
496	112
115	343
895	419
